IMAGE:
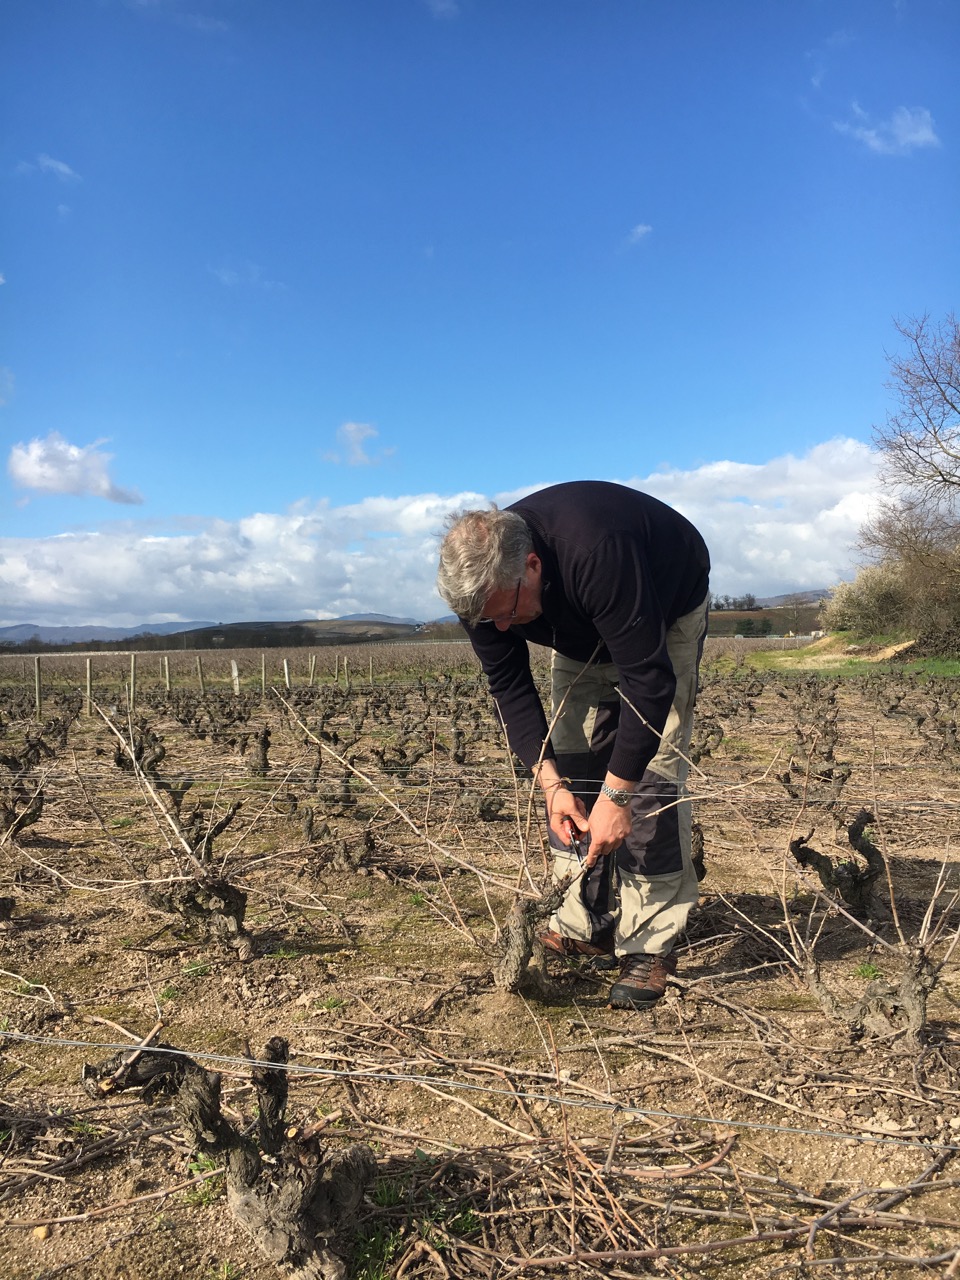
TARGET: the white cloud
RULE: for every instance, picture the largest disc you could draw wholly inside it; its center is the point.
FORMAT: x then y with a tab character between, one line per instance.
351	437
784	525
823	54
444	8
639	232
200	22
789	524
171	11
47	164
907	129
53	465
247	275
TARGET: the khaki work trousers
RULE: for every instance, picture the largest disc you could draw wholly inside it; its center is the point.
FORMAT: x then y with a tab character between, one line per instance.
639	897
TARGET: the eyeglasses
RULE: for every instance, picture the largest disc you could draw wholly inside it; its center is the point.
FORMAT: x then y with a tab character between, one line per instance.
507	617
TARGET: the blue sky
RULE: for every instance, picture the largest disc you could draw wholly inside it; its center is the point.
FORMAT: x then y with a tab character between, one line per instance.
286	282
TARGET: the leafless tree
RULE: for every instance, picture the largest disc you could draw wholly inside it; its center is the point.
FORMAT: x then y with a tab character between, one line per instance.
914	536
921	439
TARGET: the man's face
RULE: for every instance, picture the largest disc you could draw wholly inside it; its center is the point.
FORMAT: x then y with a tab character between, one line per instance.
516	605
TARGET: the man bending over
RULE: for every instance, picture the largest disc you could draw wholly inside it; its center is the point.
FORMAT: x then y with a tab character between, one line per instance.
615	583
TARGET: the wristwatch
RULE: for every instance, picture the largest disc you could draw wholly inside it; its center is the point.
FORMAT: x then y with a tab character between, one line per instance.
619	798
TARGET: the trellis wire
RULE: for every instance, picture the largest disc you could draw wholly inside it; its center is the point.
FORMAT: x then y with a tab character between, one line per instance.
398	1077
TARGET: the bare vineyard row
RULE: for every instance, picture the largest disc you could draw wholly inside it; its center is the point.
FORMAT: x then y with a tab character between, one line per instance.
332	865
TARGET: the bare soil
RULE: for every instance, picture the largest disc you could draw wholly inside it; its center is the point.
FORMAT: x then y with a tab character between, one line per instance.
743	1127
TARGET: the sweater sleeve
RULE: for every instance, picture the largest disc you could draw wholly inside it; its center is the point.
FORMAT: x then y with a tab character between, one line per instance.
614	589
505	660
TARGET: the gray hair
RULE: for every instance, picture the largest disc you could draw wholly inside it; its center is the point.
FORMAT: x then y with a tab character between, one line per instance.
482	552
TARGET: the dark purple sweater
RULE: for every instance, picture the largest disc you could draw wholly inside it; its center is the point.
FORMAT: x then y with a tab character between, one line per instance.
619	568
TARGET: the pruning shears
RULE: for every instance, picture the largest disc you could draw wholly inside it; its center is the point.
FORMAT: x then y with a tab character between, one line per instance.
573	837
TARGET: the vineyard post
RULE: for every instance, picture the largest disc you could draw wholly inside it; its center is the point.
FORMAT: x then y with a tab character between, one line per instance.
263	675
203	691
89	707
286	672
235	673
346	674
37	692
336	668
166	672
132	700
313	669
371	671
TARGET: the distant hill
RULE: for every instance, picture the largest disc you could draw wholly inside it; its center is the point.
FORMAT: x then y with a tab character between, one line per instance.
378	617
791	597
80	635
353	628
211	635
274	635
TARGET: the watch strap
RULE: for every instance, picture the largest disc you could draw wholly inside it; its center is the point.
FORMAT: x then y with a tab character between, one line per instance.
621	798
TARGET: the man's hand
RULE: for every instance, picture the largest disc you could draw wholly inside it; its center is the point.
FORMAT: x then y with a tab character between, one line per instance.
608	825
563	806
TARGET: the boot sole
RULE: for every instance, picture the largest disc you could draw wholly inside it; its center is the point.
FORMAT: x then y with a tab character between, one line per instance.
625	997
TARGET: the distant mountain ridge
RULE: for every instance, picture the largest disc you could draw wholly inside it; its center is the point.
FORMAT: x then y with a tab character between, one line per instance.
795	597
77	635
25	631
375	617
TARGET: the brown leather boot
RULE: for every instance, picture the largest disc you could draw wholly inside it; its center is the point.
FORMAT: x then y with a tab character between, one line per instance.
561	946
642	981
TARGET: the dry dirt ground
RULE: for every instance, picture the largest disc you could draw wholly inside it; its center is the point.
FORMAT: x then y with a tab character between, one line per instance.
790	1108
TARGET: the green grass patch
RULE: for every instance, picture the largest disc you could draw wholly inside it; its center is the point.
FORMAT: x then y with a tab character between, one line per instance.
331	1003
224	1271
212	1188
375	1251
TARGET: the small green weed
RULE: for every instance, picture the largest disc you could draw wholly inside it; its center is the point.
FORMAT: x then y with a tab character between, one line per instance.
417	898
867	970
83	1128
464	1223
225	1271
198	969
211	1188
169	993
374	1252
331	1002
389	1192
284	953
